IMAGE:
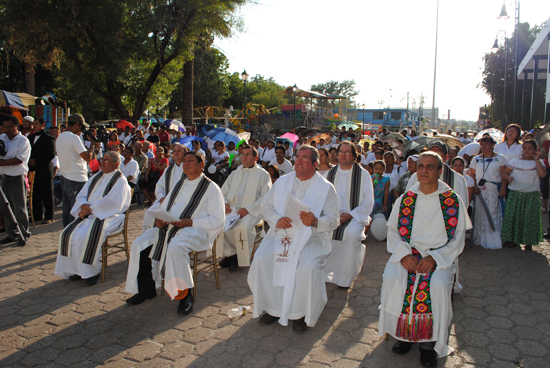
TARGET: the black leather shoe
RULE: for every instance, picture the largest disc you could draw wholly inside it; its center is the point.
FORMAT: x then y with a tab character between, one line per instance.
91	281
299	325
402	347
233	263
428	358
6	241
140	298
224	263
267	319
75	278
186	304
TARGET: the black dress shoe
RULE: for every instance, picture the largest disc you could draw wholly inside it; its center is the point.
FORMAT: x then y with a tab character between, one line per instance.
6	241
233	263
140	298
428	358
299	325
75	278
267	319
224	263
402	347
186	304
91	281
2	229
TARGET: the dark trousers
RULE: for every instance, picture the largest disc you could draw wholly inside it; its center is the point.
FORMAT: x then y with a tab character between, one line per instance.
70	191
16	193
42	194
146	284
57	190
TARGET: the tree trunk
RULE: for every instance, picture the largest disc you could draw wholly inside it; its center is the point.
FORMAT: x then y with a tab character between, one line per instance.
29	79
187	82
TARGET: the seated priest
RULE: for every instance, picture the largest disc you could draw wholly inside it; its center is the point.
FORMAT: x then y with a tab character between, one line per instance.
162	252
286	275
426	232
98	211
243	192
355	199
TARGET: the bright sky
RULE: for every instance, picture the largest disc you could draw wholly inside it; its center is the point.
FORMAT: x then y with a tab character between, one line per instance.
382	45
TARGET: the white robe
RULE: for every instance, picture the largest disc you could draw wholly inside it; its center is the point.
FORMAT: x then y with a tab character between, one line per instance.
110	208
346	258
309	295
428	232
247	188
459	186
208	222
160	192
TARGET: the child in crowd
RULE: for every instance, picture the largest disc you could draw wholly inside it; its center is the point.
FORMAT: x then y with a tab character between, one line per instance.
381	186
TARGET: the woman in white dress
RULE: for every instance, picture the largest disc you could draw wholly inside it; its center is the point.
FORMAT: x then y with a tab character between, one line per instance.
485	169
510	148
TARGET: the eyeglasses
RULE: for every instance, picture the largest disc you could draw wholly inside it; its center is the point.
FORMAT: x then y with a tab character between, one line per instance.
248	154
345	153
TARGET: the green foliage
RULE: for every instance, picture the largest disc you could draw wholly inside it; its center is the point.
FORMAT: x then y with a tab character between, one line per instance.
344	88
493	78
259	90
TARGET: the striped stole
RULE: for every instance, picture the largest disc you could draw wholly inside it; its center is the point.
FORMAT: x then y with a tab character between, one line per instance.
168	178
356	183
448	175
158	253
96	231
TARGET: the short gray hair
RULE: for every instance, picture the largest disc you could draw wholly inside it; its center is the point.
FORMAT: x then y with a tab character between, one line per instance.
313	150
433	154
114	155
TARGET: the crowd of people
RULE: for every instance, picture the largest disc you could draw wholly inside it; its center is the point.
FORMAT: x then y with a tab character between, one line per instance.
316	201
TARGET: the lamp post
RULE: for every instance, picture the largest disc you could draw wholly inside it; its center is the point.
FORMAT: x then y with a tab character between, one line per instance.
244	77
294	89
363	132
495	49
504	15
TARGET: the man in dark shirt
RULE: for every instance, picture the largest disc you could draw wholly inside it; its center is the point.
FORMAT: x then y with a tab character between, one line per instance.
153	137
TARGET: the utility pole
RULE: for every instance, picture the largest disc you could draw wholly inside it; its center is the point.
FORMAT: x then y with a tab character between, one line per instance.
435	64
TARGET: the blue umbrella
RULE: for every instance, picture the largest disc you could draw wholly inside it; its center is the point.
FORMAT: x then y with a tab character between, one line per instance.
202	129
178	125
224	135
187	141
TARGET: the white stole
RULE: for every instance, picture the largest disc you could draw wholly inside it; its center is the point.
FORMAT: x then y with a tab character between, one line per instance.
284	273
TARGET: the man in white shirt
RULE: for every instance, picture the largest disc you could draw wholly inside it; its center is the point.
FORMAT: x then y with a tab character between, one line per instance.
268	154
256	144
355	199
243	192
288	151
283	164
197	148
465	140
286	275
126	136
99	210
27	126
129	166
73	163
15	151
322	144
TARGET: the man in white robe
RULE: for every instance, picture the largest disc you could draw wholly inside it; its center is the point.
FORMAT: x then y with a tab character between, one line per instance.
286	275
243	192
98	211
171	175
162	252
283	164
355	200
448	176
426	234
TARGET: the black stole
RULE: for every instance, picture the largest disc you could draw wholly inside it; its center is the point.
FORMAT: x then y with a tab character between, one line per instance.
94	234
448	176
356	182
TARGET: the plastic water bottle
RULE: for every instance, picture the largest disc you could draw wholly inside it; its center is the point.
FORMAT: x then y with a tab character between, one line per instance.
239	311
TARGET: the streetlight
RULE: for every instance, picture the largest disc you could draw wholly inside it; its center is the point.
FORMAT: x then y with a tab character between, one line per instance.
294	89
244	77
495	49
363	121
503	16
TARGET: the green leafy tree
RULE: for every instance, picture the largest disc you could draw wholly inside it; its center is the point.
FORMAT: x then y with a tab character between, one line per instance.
493	79
344	88
119	50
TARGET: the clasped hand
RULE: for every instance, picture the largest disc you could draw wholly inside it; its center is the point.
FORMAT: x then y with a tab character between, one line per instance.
85	211
181	223
308	219
425	265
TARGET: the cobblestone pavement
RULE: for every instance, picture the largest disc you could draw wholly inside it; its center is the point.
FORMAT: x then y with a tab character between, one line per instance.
501	319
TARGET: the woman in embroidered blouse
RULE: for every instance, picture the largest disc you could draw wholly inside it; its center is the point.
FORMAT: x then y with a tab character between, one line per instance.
522	219
485	169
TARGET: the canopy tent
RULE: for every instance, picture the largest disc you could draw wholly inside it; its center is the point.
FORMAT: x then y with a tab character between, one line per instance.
311	94
16	100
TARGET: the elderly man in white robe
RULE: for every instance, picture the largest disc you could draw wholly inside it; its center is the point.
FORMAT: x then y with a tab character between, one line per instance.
355	199
426	234
162	252
243	192
171	175
98	211
448	176
286	275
